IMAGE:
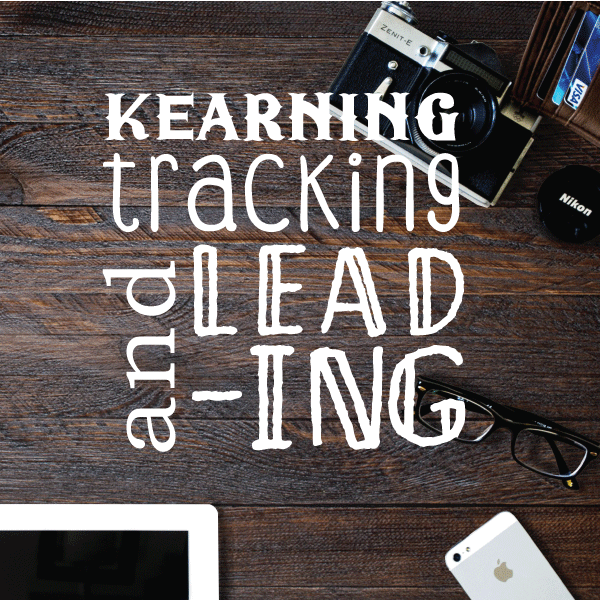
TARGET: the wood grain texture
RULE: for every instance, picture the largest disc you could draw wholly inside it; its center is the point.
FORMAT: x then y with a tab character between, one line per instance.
322	522
68	459
374	547
527	352
360	593
61	164
84	69
499	20
500	251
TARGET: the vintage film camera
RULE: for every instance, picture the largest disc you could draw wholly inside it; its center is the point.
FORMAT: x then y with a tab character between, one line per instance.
492	133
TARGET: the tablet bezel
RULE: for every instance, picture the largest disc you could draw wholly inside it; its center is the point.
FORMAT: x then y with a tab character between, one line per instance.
199	520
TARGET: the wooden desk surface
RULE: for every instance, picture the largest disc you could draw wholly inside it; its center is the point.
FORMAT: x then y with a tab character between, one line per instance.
308	522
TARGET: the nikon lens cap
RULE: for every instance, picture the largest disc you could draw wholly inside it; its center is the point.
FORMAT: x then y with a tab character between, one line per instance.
569	204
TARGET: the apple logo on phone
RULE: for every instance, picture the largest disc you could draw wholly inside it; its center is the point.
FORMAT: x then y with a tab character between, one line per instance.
502	572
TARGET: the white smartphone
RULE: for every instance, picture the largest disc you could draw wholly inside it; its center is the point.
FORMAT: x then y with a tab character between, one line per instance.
500	561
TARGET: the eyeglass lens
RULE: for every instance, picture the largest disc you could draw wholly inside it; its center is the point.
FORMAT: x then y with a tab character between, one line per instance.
548	455
478	420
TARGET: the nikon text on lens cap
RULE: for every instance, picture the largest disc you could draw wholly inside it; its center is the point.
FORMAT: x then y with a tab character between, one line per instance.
569	204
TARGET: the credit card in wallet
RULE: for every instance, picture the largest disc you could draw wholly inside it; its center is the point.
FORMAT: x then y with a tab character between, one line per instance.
590	59
584	33
565	43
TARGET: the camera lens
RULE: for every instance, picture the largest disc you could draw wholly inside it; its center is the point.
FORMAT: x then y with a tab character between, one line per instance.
456	557
475	104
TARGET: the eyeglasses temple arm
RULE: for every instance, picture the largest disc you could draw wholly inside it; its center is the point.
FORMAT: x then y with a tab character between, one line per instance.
562	467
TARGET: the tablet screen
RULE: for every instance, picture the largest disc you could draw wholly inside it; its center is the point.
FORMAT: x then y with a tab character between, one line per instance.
94	565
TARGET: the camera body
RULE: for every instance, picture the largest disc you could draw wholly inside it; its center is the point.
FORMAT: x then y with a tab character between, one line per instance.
492	134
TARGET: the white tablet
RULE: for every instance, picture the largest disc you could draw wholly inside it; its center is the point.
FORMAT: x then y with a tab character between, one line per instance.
77	551
500	561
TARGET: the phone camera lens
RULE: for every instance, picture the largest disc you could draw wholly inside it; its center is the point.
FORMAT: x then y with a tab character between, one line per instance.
456	557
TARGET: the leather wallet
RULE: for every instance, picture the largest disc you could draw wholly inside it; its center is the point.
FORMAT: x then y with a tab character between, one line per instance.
545	57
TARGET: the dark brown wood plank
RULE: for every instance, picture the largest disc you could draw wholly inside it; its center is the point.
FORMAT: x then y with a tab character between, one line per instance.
501	251
91	460
84	69
558	382
513	319
256	19
360	593
533	352
52	165
391	547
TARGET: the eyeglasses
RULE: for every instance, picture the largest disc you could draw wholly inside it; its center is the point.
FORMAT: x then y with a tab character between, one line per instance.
537	443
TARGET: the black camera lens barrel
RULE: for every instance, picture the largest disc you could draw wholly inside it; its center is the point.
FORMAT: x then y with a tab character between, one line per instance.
475	104
456	557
